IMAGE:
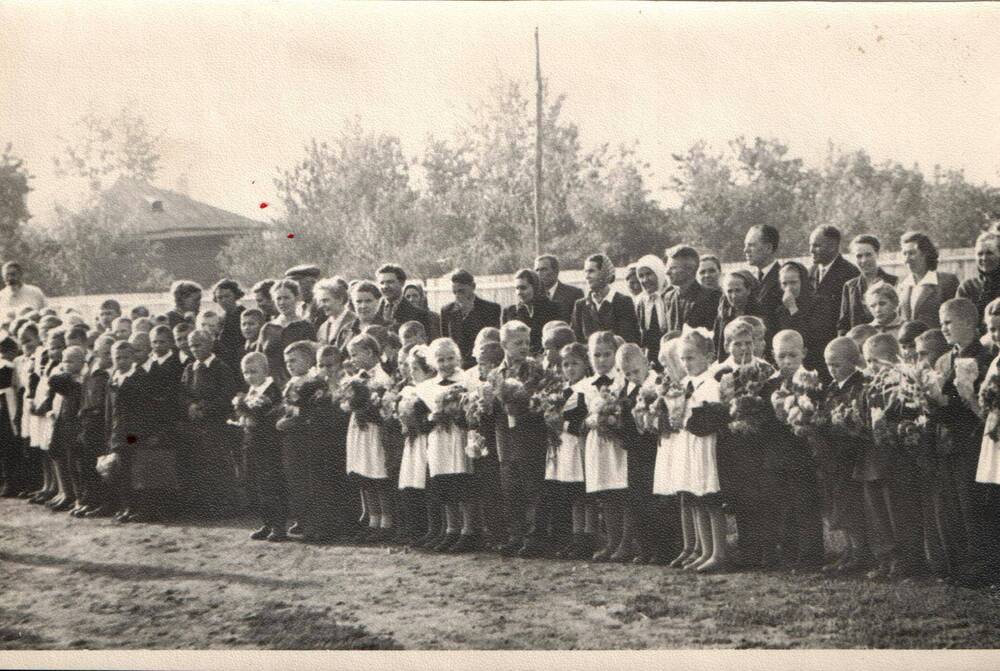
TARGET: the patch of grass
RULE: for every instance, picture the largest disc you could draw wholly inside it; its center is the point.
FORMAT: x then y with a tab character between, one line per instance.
277	626
652	607
17	639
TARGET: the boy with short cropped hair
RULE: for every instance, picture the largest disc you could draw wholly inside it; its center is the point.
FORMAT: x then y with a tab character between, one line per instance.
260	408
959	437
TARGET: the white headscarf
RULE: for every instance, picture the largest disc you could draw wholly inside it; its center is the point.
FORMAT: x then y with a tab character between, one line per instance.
653	263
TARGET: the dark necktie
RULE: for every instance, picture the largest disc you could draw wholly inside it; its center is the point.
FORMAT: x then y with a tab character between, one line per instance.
654	318
445	382
602	381
689	390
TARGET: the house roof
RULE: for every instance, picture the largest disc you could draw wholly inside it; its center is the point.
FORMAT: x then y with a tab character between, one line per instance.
156	213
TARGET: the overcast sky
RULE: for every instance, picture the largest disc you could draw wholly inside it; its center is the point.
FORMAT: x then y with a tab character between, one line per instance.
239	88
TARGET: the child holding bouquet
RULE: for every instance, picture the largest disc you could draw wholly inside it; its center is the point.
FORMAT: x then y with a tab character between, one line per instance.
885	471
696	474
259	409
605	462
836	448
448	464
745	451
959	440
366	457
482	441
639	442
521	441
413	416
789	466
564	479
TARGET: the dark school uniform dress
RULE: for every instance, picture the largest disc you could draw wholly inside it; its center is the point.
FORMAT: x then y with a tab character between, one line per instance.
535	316
126	403
10	448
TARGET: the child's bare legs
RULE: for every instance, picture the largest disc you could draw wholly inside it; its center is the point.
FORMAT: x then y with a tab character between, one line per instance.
703	528
717	521
384	499
467	511
372	507
614	515
623	551
63	486
688	532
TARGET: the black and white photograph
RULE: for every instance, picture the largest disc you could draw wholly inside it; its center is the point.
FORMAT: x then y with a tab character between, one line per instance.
498	329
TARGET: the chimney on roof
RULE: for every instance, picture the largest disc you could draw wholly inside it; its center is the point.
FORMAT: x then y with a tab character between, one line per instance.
155	204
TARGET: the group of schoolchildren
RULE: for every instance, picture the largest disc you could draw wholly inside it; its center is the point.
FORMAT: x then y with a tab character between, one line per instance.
583	451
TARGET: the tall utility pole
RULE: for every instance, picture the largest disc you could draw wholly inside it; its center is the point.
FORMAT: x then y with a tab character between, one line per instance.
538	149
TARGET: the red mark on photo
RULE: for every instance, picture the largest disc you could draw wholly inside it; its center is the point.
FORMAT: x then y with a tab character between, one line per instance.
131	440
291	235
263	205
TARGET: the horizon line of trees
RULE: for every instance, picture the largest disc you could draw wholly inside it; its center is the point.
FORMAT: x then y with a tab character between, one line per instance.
356	200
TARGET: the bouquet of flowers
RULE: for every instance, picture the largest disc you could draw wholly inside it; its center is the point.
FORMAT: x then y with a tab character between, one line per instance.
515	388
414	415
362	399
798	407
741	390
916	394
649	407
299	397
477	404
966	374
604	413
550	400
989	401
450	411
389	406
847	418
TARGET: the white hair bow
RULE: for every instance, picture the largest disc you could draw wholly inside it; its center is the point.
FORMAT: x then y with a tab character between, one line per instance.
700	330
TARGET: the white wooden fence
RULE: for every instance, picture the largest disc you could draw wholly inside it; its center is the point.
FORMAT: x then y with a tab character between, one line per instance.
498	288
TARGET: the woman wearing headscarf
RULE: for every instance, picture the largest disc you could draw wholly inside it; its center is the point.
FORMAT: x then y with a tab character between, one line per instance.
651	306
800	312
738	290
414	294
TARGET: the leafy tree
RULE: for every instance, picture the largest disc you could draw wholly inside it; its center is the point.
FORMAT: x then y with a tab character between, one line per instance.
110	147
348	204
14	190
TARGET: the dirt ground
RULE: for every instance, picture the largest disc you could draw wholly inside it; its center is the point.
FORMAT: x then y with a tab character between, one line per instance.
91	584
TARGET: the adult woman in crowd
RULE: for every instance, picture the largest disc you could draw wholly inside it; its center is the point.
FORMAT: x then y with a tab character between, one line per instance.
229	344
738	289
710	272
187	302
799	311
414	294
283	330
533	307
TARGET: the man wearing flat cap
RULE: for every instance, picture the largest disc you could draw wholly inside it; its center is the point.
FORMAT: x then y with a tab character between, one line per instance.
307	276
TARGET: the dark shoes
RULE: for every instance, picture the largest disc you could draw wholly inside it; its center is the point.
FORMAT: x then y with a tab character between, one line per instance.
465	543
261	534
446	543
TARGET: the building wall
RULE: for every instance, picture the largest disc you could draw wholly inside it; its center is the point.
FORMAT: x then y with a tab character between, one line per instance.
194	258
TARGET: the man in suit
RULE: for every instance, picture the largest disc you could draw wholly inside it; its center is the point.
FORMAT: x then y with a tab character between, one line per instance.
828	274
467	315
760	247
924	289
688	302
564	296
333	298
864	249
533	307
392	308
983	289
603	308
307	276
